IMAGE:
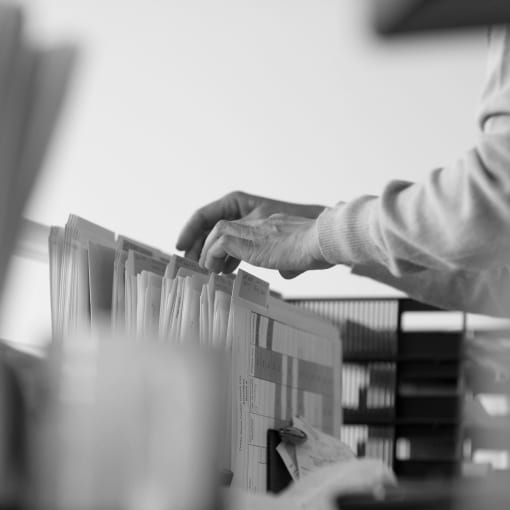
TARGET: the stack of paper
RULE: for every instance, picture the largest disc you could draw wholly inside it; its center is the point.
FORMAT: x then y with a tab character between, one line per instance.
76	256
284	361
141	291
32	85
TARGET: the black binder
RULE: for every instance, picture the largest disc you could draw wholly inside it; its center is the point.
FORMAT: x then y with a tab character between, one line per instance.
278	477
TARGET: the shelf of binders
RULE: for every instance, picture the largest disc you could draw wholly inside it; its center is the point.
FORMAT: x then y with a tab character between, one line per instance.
401	396
428	346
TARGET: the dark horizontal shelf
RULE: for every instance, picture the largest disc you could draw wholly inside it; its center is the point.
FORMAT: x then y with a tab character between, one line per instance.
399	422
429	346
420	345
431	422
429	371
436	408
416	409
362	357
369	416
447	459
427	468
425	431
353	357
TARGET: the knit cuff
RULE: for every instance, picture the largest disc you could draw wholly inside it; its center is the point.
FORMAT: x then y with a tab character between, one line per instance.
344	232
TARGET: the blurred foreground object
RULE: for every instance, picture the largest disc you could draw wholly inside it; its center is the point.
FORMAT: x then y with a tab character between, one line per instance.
12	436
21	389
319	490
33	81
129	426
404	16
489	494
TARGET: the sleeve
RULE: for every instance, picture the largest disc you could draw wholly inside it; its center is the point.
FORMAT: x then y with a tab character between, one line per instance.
486	292
457	221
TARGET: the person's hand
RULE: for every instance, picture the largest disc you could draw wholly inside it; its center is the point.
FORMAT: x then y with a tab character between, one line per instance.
287	243
247	209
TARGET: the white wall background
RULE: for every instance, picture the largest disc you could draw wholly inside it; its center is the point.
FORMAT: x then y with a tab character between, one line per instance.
176	102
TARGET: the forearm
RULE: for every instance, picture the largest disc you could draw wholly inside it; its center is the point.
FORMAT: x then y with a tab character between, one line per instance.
457	220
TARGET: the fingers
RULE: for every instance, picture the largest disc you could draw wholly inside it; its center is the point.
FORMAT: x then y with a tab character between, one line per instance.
281	242
289	275
215	247
277	242
194	252
203	220
225	248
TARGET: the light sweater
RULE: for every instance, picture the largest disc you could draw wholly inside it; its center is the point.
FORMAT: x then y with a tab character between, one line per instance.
445	241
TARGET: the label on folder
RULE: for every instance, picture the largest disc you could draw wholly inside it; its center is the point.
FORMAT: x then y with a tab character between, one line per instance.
252	289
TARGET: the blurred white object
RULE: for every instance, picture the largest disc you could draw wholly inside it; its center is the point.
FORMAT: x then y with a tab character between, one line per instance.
316	451
33	82
132	426
319	449
319	490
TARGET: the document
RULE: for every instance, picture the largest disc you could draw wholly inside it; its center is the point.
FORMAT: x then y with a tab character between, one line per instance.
73	295
285	362
204	317
55	250
101	262
190	326
168	291
148	304
119	291
319	449
123	246
136	264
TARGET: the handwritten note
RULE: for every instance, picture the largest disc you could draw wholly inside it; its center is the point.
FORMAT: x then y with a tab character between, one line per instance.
319	449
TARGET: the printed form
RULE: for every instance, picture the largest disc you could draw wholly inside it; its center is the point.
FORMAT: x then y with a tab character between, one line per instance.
286	362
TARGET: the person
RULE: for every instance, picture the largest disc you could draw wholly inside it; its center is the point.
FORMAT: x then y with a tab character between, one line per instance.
445	241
